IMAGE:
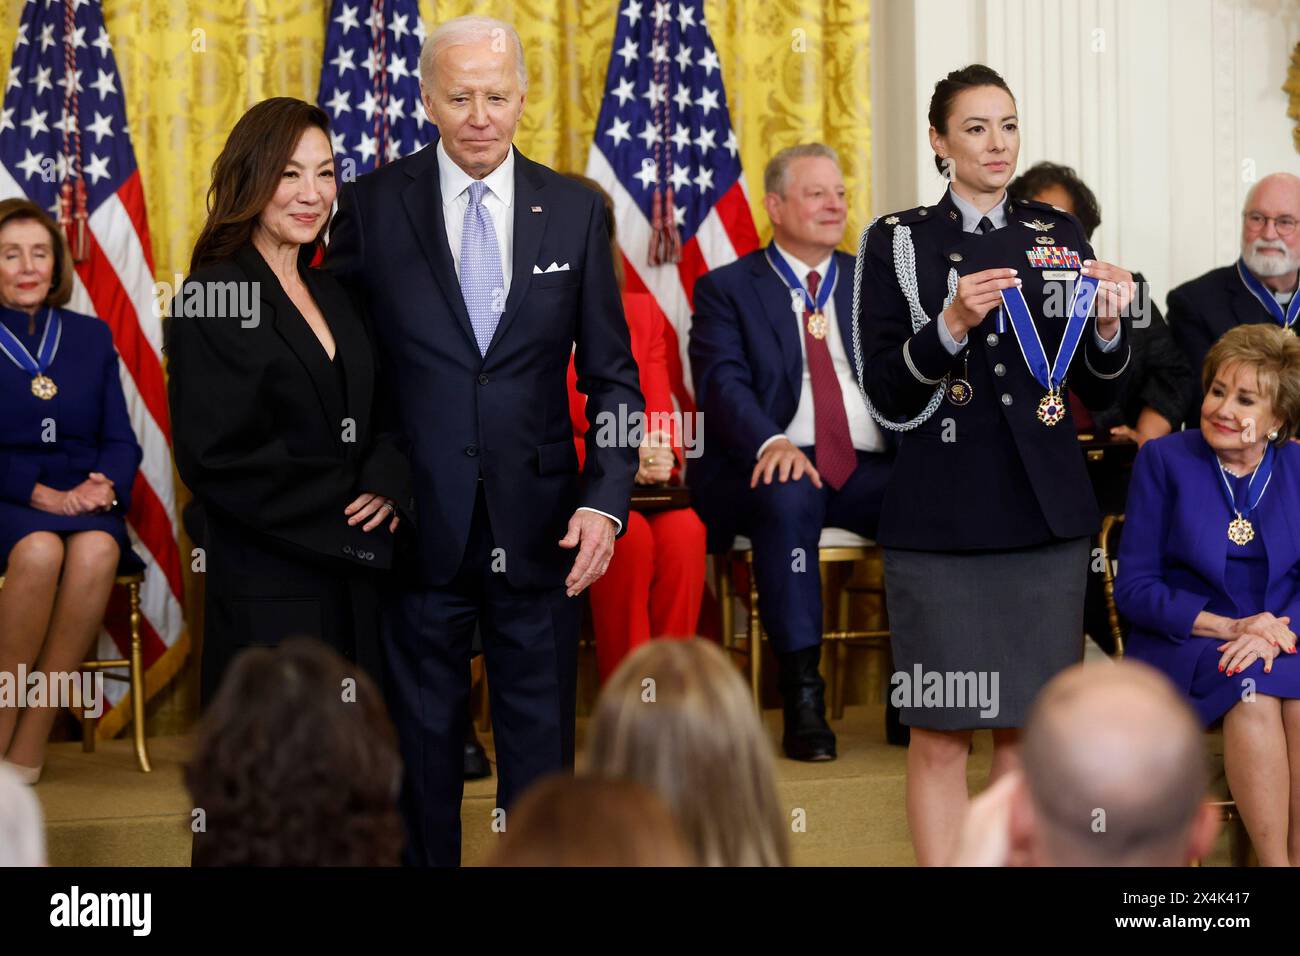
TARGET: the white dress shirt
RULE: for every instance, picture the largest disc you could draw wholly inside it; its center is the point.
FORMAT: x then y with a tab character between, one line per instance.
498	201
970	221
802	429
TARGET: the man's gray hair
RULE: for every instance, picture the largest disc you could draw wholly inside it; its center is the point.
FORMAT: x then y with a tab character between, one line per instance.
776	172
470	29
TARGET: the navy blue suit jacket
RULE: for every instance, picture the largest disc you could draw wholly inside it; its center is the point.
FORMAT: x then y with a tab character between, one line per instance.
1175	549
747	366
1018	482
503	416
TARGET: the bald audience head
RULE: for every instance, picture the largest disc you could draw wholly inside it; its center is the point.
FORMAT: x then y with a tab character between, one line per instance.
1115	771
1270	241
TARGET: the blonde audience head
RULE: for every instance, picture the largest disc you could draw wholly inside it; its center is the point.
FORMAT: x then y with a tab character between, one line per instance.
677	718
584	821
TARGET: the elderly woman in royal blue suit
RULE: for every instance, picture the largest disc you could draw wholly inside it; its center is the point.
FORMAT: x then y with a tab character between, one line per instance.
68	458
1212	588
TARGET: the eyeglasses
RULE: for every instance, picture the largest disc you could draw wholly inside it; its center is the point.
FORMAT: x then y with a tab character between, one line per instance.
1285	225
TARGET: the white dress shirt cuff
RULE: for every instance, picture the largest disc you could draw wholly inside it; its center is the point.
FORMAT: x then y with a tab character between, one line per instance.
1106	345
951	344
618	525
763	447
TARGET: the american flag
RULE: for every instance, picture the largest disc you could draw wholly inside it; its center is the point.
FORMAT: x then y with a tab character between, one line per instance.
64	121
665	150
370	83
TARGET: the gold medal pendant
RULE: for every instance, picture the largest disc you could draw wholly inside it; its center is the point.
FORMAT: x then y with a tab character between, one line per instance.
1051	408
43	387
817	325
1240	531
960	392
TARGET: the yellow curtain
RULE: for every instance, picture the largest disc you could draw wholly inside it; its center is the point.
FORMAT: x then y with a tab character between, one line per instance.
795	70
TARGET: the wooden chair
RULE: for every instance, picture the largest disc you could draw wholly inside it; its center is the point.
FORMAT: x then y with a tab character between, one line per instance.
1105	542
135	667
836	546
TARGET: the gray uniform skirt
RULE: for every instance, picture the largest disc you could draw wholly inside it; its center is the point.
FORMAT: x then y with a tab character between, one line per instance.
976	635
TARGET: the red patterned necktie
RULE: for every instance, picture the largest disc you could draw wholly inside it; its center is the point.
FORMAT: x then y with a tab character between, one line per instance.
834	454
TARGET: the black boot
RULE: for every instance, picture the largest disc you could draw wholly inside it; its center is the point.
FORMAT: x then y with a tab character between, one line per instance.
476	761
807	735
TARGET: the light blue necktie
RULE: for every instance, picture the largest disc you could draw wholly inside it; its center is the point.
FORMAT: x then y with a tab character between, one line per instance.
481	282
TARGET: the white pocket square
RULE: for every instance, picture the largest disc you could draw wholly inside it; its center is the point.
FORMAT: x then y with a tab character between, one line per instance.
553	267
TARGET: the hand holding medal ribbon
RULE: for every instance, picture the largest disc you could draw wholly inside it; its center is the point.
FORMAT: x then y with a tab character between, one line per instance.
1051	408
977	295
1114	296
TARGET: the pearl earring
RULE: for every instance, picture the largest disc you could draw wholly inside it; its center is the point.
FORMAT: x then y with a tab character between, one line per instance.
1272	436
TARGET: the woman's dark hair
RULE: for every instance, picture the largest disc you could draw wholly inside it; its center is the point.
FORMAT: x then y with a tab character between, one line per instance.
608	200
247	173
1045	175
956	82
296	764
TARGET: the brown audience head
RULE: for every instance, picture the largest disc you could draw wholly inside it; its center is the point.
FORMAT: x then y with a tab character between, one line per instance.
677	718
1114	772
1059	186
296	764
567	821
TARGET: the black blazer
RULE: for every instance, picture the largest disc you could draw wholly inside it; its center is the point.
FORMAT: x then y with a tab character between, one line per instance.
747	364
1200	311
503	417
263	434
989	474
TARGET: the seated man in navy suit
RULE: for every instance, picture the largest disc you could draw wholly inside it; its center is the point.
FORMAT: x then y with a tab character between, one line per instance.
789	447
1259	287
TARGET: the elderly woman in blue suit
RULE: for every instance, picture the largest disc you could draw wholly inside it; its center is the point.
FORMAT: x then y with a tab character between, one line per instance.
68	457
1209	573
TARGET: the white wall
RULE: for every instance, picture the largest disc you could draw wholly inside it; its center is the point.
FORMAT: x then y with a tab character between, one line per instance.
1168	109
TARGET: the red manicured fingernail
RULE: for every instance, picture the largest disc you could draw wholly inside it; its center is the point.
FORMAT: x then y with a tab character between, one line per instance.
1220	668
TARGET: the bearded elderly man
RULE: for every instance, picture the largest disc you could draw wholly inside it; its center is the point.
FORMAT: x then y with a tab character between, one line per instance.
481	272
1258	287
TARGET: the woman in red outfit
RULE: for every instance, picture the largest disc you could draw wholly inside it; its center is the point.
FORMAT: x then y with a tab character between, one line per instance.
655	581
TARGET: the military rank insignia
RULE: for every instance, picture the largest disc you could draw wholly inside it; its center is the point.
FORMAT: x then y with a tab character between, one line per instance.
1054	257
